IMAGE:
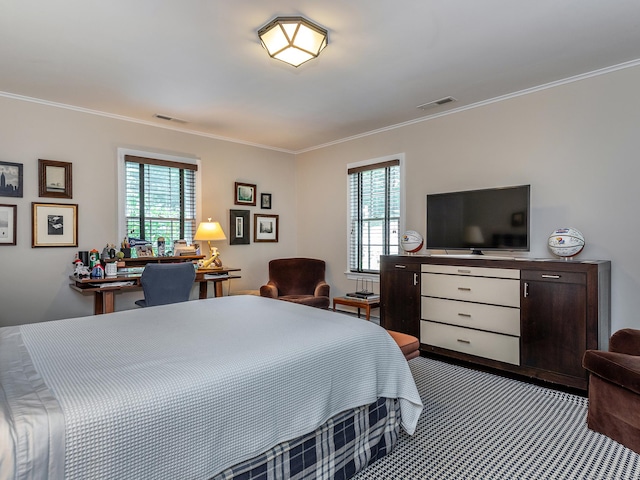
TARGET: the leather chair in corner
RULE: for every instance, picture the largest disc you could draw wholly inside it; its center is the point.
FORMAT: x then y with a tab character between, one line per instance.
165	283
614	388
297	280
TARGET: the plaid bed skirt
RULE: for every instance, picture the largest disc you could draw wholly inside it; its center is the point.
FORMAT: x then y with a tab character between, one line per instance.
339	449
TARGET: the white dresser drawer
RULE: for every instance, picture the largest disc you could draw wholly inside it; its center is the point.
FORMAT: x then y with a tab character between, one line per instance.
472	271
495	291
498	347
492	318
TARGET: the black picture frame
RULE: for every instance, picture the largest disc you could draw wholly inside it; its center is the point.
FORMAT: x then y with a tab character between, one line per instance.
265	201
11	179
239	227
8	224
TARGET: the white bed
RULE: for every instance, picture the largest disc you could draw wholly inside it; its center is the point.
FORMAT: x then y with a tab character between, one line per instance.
185	390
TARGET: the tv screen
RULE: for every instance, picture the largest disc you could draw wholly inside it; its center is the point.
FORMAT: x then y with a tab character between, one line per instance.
489	219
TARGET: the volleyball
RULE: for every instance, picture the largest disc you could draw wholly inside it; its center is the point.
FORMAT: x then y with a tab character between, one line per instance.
566	242
411	241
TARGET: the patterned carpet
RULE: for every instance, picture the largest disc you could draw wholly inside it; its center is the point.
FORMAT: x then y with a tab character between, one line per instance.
476	425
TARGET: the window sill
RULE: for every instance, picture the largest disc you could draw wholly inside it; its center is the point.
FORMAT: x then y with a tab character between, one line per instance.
374	277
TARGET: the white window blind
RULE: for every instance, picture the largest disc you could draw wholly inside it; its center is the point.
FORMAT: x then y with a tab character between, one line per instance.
374	209
160	199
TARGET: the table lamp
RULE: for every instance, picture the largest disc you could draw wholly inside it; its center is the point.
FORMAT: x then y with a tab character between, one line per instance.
211	231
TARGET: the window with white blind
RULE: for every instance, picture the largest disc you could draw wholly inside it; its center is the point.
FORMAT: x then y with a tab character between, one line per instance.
159	199
374	213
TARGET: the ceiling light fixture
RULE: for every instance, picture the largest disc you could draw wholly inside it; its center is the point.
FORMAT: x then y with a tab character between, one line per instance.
293	40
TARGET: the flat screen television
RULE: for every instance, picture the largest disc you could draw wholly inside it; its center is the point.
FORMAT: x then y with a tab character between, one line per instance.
495	219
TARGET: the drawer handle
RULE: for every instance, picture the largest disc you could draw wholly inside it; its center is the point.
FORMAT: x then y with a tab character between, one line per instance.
551	276
464	341
463	271
401	266
464	289
464	315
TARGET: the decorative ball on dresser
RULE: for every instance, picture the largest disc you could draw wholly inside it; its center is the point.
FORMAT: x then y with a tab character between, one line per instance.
566	242
411	241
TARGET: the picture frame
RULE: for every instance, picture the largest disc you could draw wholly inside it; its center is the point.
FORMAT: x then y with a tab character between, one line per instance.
54	179
8	224
239	227
265	201
245	194
10	179
265	228
54	225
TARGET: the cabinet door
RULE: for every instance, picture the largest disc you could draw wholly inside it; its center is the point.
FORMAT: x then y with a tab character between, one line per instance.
553	322
400	297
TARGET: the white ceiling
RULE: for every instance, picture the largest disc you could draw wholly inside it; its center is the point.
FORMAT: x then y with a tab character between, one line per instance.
201	61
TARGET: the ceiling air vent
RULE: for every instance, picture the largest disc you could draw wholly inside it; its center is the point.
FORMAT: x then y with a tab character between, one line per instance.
168	118
436	103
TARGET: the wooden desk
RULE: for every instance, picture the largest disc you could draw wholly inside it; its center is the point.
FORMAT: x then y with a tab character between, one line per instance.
359	303
215	275
104	289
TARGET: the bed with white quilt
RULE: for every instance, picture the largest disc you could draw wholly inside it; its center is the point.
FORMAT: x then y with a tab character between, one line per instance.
231	387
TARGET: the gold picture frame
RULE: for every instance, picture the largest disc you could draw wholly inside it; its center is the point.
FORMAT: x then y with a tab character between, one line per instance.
54	225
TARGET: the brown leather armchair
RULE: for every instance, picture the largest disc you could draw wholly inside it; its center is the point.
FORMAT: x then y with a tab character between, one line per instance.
297	280
614	388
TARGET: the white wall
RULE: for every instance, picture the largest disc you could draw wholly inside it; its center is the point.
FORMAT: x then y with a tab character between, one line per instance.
34	281
576	144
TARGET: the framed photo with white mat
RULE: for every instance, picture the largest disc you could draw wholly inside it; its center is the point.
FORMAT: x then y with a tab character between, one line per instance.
54	225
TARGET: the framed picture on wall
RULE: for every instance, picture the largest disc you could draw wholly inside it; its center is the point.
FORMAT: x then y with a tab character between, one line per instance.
265	228
239	227
10	179
265	201
8	224
54	179
54	225
245	194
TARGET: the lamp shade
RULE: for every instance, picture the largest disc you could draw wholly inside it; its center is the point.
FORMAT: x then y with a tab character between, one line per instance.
293	40
209	231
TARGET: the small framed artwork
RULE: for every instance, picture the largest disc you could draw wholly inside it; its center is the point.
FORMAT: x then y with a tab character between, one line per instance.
8	224
54	179
245	194
10	179
239	227
54	225
265	200
265	228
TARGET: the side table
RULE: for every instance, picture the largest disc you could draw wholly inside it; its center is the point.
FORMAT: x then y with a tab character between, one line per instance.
364	303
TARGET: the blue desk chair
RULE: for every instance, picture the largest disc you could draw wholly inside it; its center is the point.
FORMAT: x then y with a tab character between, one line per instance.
165	283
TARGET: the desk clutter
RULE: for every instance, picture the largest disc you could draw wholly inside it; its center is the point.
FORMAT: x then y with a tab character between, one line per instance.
133	251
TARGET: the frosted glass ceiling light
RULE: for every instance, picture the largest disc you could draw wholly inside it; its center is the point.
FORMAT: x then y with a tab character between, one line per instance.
293	40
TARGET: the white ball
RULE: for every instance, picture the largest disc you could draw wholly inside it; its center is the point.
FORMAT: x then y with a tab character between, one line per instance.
566	242
411	241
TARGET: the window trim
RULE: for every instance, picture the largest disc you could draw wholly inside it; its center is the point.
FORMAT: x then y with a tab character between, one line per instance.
162	158
363	164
